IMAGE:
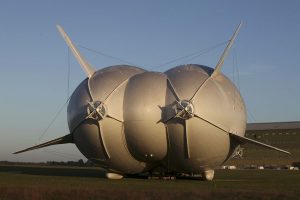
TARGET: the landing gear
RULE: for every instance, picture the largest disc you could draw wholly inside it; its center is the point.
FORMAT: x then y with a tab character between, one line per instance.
208	175
113	176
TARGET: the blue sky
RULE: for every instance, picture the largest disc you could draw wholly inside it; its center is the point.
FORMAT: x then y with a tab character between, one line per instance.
33	57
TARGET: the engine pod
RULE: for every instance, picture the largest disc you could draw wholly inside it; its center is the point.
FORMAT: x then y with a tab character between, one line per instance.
144	129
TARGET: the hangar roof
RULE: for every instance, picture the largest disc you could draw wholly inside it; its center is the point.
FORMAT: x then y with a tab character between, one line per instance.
273	125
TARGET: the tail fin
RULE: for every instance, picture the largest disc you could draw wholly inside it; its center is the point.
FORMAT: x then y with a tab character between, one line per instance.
245	140
88	69
226	50
62	140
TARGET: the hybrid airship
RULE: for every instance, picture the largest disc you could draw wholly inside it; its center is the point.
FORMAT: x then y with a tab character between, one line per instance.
190	119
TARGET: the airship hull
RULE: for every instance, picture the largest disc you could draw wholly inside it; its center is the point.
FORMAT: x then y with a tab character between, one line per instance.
132	133
188	119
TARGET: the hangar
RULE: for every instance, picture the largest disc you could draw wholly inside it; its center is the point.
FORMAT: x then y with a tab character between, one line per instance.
285	135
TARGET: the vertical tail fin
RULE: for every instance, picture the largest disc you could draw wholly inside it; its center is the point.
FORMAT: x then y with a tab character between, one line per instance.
226	50
88	69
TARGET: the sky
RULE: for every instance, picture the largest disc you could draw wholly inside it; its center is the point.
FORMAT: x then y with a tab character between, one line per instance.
263	63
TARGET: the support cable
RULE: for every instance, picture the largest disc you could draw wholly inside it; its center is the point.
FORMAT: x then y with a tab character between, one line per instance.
63	105
69	73
106	55
54	119
191	56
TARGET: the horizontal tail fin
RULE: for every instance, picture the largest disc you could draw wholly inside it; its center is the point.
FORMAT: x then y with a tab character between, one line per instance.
62	140
245	140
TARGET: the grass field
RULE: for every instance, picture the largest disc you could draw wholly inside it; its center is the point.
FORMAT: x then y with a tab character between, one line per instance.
25	182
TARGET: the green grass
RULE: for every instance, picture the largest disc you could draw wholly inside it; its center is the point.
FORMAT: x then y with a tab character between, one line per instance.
25	182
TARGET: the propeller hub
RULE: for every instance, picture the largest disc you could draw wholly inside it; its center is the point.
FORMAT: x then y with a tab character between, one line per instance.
184	109
96	110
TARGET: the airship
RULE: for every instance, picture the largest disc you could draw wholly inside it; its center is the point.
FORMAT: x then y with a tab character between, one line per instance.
189	119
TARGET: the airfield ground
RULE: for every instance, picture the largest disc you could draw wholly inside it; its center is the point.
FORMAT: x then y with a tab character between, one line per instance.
34	182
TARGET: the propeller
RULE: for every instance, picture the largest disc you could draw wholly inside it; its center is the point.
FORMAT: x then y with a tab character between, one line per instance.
184	110
98	111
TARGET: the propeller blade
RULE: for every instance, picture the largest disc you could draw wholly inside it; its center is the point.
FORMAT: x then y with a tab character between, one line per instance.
87	68
173	89
106	98
226	50
102	140
62	140
186	139
174	92
193	97
115	118
115	90
210	123
175	116
166	121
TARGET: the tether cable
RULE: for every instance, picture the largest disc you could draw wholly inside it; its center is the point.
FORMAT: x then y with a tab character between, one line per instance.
191	55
